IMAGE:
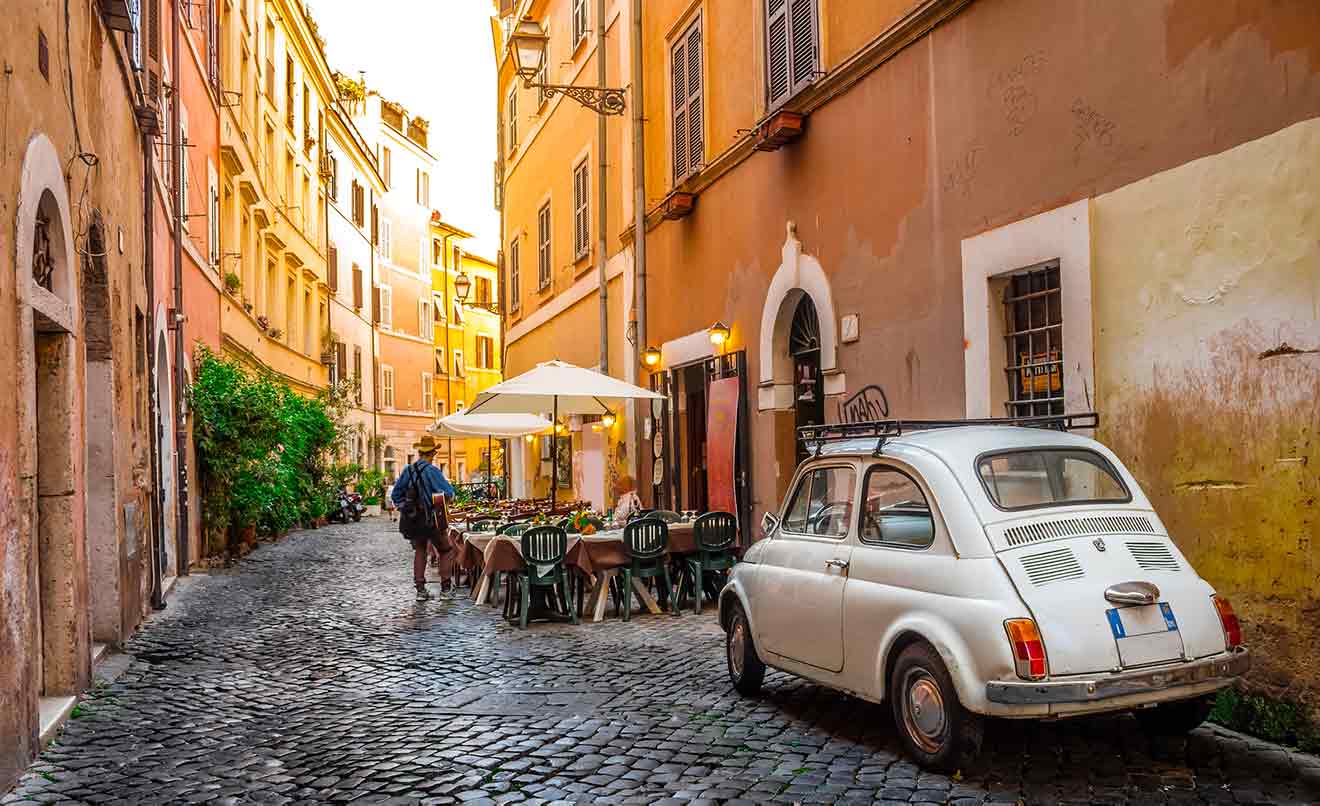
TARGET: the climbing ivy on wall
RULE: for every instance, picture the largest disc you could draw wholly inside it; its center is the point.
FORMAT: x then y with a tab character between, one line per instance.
264	452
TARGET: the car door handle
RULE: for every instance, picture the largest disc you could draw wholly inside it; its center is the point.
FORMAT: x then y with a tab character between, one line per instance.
842	565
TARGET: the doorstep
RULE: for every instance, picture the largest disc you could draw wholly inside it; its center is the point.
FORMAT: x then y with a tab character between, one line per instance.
54	712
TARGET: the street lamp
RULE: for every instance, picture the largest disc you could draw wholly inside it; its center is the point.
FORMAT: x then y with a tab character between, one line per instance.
527	45
463	287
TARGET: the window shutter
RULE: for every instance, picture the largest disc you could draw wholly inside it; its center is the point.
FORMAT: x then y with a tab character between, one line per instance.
341	359
375	305
153	30
357	288
776	50
332	268
679	62
696	139
375	225
803	13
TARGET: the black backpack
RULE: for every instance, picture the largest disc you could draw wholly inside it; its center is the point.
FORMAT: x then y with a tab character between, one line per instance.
415	518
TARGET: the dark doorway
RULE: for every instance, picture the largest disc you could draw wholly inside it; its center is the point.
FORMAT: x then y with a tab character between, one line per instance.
808	388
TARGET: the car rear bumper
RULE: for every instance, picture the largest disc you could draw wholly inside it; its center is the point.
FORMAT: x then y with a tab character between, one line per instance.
1195	676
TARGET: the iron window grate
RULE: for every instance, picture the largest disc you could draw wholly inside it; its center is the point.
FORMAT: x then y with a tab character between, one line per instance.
1033	342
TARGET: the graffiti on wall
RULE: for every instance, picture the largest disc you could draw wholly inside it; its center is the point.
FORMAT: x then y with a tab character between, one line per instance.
870	403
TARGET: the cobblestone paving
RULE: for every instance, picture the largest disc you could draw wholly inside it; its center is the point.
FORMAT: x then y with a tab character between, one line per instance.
307	674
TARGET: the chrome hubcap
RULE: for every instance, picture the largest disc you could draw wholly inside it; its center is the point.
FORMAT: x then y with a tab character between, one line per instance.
923	711
737	640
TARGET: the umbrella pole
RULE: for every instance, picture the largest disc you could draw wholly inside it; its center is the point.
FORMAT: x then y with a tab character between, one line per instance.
554	457
490	465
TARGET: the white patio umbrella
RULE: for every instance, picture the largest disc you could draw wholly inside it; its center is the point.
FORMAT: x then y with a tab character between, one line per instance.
462	425
563	388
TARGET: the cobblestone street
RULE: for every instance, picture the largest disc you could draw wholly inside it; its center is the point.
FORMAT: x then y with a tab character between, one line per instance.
307	673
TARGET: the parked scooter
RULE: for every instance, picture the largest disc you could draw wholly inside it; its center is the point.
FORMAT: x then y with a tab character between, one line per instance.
350	507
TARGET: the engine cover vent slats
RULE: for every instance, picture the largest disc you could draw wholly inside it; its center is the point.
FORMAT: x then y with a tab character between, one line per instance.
1051	566
1153	556
1076	527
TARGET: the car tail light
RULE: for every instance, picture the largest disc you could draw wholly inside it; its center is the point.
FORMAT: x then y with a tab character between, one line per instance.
1229	620
1028	649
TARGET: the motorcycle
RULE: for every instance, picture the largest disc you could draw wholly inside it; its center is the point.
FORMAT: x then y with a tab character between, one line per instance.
350	506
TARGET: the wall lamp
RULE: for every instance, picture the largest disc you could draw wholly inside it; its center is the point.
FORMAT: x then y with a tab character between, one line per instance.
651	357
719	333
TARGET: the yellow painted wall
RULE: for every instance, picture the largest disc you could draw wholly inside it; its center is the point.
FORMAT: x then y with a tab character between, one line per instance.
553	137
1207	286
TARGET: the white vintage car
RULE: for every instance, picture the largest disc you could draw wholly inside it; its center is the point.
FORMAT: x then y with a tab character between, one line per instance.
963	571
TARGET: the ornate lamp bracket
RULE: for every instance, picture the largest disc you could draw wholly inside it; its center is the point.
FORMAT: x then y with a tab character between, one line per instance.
602	100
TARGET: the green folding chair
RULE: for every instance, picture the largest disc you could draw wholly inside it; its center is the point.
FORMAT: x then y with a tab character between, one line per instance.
543	550
715	534
647	540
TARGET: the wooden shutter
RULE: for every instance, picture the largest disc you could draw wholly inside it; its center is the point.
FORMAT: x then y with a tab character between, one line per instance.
341	359
375	225
803	41
776	50
678	61
332	268
696	135
375	305
153	30
689	136
357	288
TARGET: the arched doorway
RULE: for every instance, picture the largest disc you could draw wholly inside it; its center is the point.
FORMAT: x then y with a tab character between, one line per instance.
99	409
51	506
165	438
808	386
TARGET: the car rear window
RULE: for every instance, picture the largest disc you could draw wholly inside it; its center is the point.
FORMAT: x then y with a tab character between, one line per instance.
1041	477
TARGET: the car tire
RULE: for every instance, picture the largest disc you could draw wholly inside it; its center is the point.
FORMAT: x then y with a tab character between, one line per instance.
1175	718
932	723
746	671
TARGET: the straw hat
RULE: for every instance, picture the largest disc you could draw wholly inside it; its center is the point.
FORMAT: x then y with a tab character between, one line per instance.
426	444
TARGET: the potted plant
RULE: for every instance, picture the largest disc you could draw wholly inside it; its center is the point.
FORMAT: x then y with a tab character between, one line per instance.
247	304
263	323
275	333
232	282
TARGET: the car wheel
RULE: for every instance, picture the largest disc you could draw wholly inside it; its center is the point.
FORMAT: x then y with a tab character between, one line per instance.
1176	718
746	671
932	723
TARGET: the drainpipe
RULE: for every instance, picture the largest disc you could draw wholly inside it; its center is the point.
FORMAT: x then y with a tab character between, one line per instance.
445	257
378	461
176	415
153	445
601	196
639	196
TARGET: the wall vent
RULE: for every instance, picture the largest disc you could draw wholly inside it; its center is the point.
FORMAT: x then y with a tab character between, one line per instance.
1153	556
1051	566
1076	527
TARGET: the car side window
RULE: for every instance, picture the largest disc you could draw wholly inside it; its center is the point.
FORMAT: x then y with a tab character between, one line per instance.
822	503
895	511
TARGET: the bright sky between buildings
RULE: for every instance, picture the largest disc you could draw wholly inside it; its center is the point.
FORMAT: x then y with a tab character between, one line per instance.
435	58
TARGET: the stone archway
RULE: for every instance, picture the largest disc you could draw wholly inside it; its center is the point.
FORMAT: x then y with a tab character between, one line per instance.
50	426
798	274
798	280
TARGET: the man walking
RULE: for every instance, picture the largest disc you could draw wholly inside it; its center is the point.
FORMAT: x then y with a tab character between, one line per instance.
413	494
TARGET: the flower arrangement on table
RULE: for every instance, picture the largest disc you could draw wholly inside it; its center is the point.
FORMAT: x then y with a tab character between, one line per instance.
583	522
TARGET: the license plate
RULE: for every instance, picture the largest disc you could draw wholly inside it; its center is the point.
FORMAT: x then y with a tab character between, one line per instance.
1141	620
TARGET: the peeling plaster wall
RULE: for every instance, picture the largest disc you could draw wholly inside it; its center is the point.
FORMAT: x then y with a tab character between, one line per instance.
1207	314
37	106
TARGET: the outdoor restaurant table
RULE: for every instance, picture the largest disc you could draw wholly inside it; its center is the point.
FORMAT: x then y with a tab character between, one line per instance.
598	556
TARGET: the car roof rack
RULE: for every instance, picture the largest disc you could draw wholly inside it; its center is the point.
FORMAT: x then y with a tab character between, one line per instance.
881	430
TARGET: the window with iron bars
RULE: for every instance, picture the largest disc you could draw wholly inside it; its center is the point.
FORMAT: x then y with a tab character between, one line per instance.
1033	338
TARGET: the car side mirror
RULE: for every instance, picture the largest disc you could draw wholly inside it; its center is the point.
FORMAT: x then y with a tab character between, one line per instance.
769	523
